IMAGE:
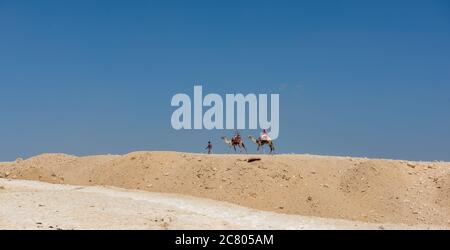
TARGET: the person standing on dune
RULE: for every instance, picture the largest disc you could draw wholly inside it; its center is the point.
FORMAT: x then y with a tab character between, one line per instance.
209	147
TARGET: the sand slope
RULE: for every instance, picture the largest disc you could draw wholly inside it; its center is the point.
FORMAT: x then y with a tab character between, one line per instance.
376	191
38	205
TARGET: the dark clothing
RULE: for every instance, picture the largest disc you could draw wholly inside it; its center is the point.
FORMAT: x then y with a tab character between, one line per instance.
209	147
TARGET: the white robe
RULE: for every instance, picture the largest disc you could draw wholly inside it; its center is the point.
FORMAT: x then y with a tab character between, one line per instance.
265	137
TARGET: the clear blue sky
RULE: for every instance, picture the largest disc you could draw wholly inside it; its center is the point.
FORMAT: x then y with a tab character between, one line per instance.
360	78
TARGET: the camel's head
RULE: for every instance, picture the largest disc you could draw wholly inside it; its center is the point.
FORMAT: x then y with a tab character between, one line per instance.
252	138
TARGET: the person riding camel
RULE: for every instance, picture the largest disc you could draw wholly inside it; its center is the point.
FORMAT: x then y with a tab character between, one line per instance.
237	137
265	136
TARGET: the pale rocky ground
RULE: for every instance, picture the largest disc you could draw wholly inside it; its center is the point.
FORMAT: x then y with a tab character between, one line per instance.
354	189
38	205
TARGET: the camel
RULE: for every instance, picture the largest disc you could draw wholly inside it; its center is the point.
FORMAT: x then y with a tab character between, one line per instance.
261	144
233	143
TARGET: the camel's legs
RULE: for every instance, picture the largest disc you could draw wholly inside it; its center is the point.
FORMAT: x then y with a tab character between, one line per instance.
259	147
242	146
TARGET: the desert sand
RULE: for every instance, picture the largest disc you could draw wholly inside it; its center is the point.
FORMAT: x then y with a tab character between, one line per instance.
38	205
367	193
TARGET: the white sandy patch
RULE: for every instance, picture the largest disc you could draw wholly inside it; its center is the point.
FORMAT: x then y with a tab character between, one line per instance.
38	205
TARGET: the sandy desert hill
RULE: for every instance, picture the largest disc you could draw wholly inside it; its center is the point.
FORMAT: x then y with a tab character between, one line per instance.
44	206
366	190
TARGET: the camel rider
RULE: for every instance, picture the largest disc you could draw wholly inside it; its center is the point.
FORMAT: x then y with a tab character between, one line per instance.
237	138
265	136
